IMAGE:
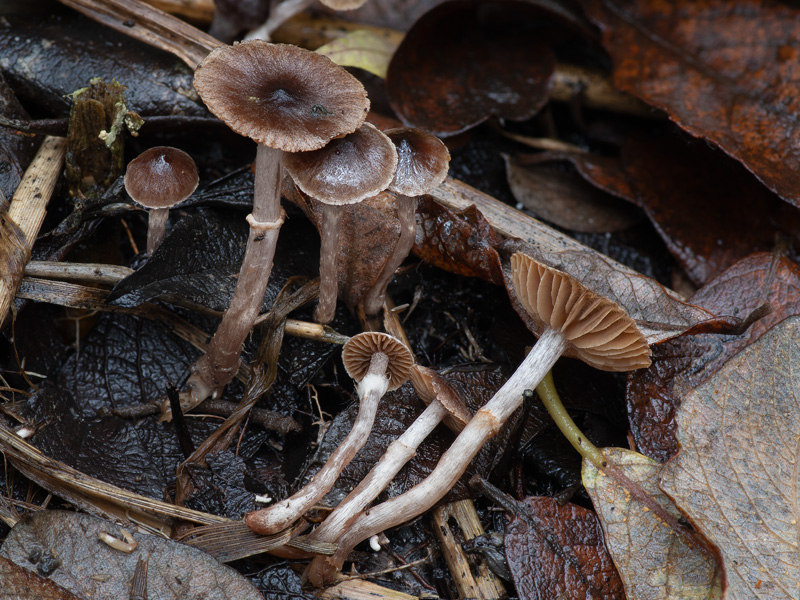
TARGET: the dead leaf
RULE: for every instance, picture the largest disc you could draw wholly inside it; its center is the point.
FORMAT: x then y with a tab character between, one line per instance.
654	562
80	562
558	552
465	50
736	473
462	243
679	365
566	200
724	71
20	583
362	48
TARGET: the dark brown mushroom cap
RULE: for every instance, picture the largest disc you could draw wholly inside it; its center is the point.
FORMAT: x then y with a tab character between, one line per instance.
282	96
422	161
358	351
161	177
348	169
597	330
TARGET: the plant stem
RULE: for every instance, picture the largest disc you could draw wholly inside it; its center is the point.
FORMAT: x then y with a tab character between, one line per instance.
552	402
279	516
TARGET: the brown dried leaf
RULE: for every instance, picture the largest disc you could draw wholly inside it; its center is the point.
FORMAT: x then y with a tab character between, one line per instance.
565	199
679	365
558	552
67	545
654	562
462	243
736	474
724	71
475	51
20	583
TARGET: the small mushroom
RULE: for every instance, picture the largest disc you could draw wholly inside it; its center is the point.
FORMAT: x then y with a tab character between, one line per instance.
379	362
288	100
158	179
346	171
572	318
422	163
443	404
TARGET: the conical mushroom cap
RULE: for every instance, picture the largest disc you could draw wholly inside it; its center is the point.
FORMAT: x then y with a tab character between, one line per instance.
359	349
597	330
348	169
422	161
161	177
279	95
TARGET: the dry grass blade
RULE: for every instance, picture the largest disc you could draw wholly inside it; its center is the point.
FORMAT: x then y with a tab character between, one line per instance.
27	212
93	495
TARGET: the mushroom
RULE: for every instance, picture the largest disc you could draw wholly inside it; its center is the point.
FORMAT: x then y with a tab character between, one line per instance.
288	100
443	404
573	320
158	179
379	362
346	171
422	163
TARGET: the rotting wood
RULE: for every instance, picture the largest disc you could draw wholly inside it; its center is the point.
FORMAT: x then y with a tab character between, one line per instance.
29	206
483	584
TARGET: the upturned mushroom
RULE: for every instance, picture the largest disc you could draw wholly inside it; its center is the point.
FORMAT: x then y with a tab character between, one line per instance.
443	404
379	362
346	171
422	163
158	179
288	100
573	320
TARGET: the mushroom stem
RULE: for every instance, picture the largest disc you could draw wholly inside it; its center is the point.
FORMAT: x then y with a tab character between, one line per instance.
217	367
370	390
156	228
485	424
552	402
328	253
399	452
406	207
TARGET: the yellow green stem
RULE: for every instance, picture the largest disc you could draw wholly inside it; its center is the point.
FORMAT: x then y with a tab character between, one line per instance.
552	402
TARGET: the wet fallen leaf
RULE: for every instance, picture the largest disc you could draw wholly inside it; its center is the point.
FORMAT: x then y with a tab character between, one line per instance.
23	584
52	57
724	71
708	209
736	473
558	552
462	243
566	200
67	547
653	561
654	394
363	49
463	50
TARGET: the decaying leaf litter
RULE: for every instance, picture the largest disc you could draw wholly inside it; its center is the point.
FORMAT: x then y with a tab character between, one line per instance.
79	360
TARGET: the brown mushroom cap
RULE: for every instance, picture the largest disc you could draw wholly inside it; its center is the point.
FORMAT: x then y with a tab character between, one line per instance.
348	169
279	95
422	161
358	351
597	330
161	177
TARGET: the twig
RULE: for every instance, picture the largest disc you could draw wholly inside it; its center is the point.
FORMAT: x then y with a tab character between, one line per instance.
196	10
27	211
